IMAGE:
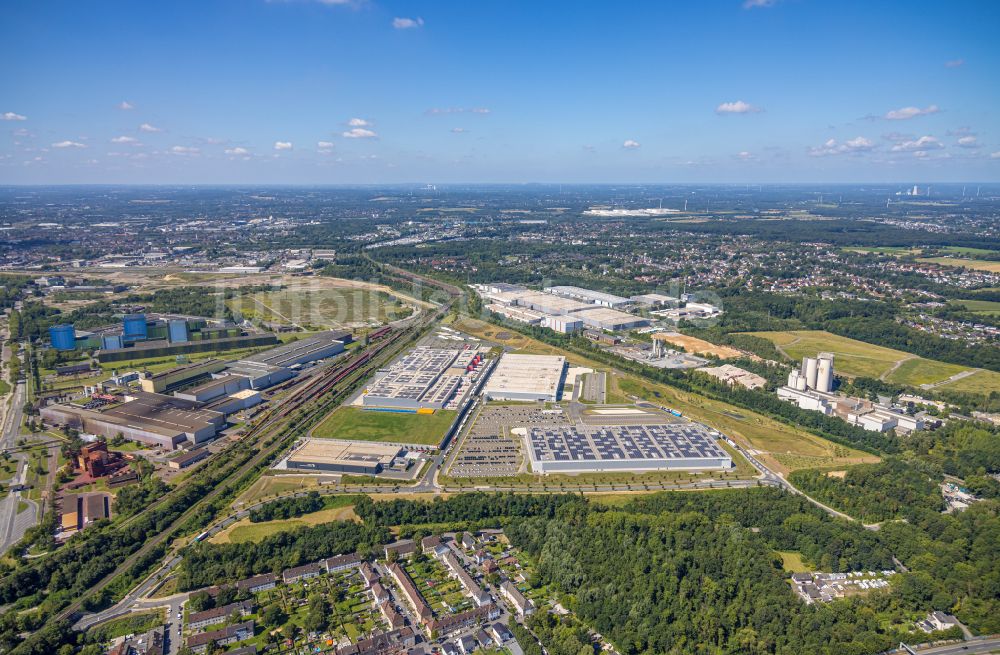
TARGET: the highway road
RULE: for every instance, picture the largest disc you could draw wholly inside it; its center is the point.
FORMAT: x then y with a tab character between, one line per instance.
974	645
13	525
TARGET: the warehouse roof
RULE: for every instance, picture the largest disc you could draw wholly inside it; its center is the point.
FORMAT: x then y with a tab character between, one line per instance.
329	451
526	374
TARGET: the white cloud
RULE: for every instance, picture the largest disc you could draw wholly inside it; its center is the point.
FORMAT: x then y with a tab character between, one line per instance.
324	147
146	127
125	105
125	139
745	155
407	23
631	144
905	113
856	145
459	130
68	144
185	150
995	155
359	133
923	143
954	63
11	116
282	145
758	4
358	122
968	142
22	132
236	152
737	107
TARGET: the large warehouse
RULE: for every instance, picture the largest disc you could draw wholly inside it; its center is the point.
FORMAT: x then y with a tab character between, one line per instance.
303	351
588	296
424	378
610	319
149	418
342	456
591	449
526	377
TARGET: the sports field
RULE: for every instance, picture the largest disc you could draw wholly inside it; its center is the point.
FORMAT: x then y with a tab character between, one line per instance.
857	358
353	423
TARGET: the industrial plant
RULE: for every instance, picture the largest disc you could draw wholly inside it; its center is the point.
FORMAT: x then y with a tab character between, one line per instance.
811	387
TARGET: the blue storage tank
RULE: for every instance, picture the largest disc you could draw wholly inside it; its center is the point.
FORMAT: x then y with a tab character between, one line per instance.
177	331
135	326
63	337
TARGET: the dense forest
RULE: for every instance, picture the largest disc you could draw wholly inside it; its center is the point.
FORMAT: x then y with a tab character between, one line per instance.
890	489
207	564
287	508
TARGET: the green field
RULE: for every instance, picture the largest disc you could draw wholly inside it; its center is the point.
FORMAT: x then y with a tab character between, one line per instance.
982	382
364	425
857	358
984	307
323	308
967	252
974	264
885	250
792	562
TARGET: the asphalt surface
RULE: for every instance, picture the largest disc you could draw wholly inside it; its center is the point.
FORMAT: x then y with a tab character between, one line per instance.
989	645
13	525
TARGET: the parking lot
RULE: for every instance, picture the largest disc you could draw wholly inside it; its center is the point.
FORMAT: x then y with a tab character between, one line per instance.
489	449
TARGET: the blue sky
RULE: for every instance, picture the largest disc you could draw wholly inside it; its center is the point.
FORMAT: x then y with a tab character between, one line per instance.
373	91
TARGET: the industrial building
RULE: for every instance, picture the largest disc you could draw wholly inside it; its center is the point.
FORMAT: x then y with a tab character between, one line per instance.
811	388
331	456
187	459
177	331
526	377
235	402
591	297
225	385
424	378
610	319
816	373
550	304
563	324
177	377
589	449
303	351
260	375
519	314
565	309
655	300
149	418
733	375
135	327
163	348
81	510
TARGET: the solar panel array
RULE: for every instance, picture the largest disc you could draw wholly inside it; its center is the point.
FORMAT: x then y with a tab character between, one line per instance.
417	377
622	442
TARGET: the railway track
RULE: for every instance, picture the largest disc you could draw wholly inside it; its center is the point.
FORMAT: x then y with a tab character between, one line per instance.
337	380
